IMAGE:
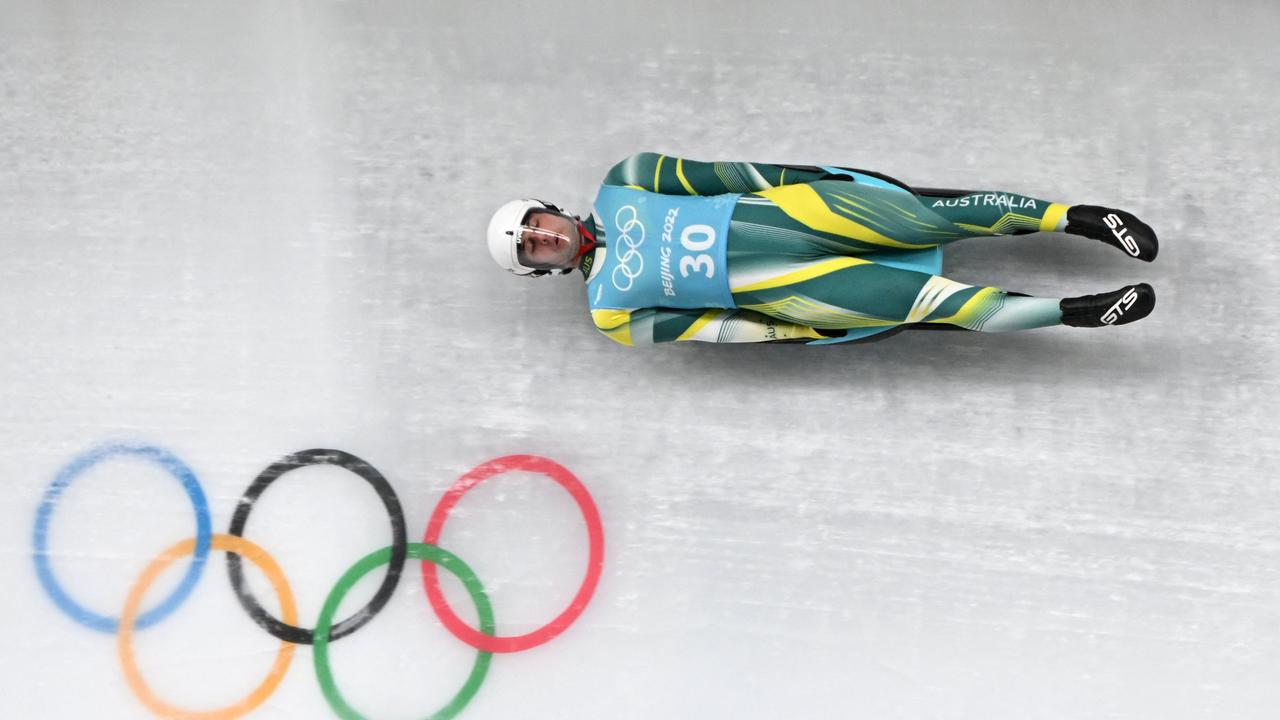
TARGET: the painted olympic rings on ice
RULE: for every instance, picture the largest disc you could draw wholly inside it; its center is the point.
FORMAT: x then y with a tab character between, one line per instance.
124	639
427	554
77	467
485	640
285	630
595	559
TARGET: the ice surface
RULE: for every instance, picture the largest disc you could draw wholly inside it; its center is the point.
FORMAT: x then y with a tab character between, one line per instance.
238	230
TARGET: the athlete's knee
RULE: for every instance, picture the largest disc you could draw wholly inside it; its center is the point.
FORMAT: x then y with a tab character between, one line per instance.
994	310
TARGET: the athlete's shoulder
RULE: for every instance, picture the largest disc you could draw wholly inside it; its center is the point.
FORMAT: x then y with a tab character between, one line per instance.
632	169
614	323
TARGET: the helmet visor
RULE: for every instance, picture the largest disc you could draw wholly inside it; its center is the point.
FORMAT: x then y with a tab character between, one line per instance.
547	240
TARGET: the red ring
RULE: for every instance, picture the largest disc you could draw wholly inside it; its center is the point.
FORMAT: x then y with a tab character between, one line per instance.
595	560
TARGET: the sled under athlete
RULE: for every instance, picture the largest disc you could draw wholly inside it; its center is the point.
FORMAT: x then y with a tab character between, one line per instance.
677	249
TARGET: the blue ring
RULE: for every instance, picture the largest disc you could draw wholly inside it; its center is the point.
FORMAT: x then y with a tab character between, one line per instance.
40	537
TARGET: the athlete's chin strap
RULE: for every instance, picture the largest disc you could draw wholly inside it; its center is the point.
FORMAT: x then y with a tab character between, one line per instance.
588	243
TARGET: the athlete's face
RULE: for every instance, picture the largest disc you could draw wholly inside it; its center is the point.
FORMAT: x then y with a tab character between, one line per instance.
549	240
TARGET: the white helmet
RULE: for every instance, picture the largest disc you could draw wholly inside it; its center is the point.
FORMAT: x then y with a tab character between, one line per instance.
504	235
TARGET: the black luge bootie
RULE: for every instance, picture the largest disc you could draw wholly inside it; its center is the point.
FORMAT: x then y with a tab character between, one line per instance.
1116	228
1126	305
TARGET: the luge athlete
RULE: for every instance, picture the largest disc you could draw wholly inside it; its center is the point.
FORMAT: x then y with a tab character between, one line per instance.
677	249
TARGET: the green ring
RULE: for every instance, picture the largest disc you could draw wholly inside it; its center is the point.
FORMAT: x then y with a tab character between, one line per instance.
376	559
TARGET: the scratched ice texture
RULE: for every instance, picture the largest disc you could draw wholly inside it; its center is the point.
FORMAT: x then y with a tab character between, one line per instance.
237	230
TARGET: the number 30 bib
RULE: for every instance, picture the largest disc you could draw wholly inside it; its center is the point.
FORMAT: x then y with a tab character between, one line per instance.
661	250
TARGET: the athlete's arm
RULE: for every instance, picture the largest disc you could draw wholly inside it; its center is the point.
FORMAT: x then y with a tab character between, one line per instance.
678	176
645	326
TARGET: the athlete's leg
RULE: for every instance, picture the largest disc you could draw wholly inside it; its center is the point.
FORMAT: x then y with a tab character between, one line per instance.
848	218
841	292
835	217
996	213
1003	213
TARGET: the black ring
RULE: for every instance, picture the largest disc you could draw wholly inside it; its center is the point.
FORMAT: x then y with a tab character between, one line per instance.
399	543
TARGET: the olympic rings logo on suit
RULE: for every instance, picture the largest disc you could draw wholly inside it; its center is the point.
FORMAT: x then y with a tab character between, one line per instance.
485	640
633	247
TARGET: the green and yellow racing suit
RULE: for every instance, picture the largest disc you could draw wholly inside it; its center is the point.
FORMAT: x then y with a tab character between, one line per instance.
806	253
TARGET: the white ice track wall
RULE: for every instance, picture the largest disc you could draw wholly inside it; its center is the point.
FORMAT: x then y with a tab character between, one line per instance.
235	231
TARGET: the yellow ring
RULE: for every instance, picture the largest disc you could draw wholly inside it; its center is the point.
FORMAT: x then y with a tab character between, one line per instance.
124	640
